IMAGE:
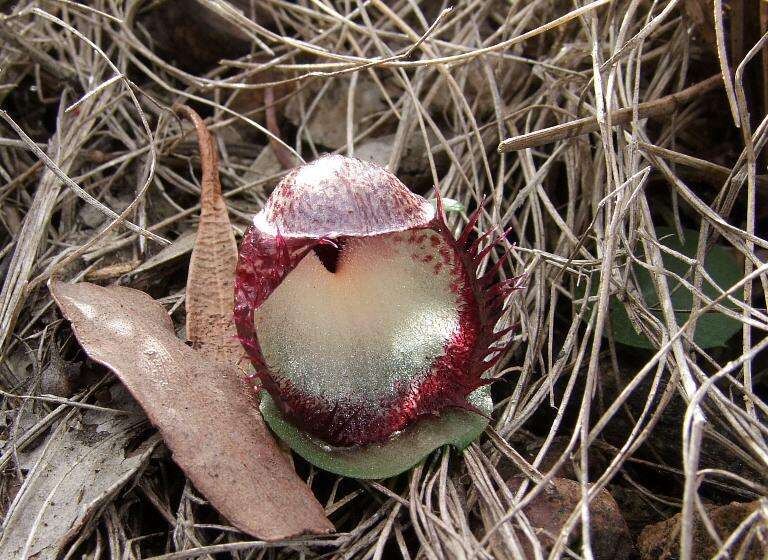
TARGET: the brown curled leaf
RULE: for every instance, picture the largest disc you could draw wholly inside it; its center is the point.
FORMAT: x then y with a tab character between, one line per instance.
207	419
210	280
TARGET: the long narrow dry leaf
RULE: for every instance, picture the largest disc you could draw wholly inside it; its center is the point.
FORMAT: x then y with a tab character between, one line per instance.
585	125
211	276
204	413
210	280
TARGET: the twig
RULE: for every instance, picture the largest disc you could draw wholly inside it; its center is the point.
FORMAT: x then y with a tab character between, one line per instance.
663	106
709	171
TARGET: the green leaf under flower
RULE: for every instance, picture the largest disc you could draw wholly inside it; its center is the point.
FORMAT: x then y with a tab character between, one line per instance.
455	427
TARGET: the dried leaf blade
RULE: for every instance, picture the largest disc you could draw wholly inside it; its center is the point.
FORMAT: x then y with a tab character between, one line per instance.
211	276
202	408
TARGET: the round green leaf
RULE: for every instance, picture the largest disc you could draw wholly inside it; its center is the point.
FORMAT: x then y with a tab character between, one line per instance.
712	328
454	426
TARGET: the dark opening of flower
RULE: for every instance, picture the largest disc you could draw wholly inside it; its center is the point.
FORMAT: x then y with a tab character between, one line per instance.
359	309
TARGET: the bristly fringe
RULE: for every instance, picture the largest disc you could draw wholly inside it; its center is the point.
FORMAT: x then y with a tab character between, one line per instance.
490	292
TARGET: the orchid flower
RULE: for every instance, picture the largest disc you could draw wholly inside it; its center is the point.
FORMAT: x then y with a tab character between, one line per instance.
360	311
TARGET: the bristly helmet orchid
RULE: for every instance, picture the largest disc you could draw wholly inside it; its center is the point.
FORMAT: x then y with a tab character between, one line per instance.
359	309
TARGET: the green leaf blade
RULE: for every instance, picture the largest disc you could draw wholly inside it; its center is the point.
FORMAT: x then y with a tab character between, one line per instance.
713	328
376	461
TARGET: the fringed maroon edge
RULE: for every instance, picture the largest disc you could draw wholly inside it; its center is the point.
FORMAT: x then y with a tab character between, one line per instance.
266	260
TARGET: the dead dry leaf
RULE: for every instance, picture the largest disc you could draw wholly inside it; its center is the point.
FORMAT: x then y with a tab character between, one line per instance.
211	276
206	416
81	466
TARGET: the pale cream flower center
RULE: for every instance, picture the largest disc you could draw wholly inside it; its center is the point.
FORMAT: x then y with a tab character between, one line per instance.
380	320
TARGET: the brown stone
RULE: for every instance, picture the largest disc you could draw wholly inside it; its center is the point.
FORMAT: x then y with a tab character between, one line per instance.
548	512
661	541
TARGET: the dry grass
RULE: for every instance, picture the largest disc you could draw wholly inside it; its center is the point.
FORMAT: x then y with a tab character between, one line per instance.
85	91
